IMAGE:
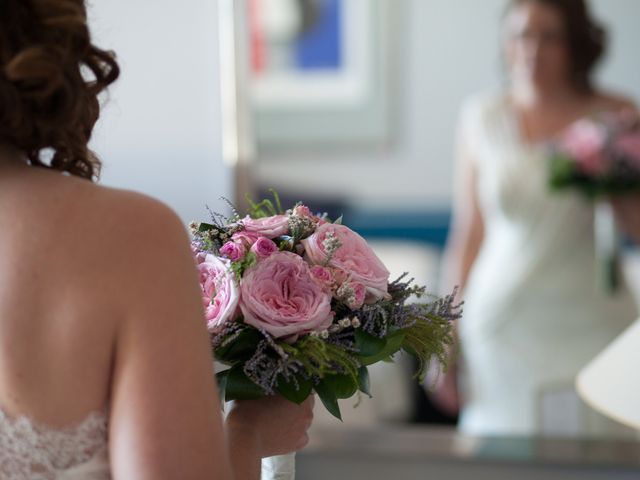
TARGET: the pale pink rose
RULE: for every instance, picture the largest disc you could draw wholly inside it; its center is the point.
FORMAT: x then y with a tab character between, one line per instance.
354	257
270	227
233	251
302	211
628	145
264	247
220	294
279	295
585	142
245	238
322	275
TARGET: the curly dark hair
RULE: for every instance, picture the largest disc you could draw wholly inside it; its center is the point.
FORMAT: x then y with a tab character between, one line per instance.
50	78
586	37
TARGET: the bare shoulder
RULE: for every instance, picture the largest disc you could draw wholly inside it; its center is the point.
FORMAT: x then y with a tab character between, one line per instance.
114	237
111	219
131	215
135	253
614	101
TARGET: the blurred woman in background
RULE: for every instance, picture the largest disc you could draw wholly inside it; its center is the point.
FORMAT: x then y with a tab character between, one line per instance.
525	256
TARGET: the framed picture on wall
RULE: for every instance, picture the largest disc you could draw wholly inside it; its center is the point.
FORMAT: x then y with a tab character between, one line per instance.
318	70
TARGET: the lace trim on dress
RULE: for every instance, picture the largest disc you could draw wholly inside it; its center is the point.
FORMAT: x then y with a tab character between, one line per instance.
36	451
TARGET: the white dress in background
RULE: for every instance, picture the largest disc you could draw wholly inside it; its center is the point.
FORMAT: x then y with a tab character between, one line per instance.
36	452
534	313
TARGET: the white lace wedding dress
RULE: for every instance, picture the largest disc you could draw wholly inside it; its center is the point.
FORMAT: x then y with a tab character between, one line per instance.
37	452
534	312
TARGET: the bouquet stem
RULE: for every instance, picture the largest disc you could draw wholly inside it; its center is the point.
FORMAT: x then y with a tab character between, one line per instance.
281	467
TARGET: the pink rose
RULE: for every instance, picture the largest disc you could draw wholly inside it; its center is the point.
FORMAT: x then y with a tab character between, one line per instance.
270	227
233	251
245	238
628	145
279	296
264	247
302	211
585	142
354	257
322	275
220	293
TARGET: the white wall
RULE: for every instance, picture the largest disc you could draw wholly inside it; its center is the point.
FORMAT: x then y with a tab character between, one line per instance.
161	128
447	50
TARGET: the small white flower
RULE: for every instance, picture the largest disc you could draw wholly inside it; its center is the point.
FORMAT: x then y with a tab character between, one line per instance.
345	323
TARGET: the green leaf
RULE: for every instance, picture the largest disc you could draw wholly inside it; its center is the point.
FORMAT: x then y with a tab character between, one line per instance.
240	349
364	384
328	399
393	344
367	344
276	198
205	227
295	393
239	387
342	386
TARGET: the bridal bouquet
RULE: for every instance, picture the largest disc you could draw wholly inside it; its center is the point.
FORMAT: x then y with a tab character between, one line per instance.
297	305
599	156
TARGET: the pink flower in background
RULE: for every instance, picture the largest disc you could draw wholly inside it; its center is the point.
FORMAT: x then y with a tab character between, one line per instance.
322	275
628	145
624	120
233	251
354	257
263	247
279	295
585	142
245	238
220	294
270	227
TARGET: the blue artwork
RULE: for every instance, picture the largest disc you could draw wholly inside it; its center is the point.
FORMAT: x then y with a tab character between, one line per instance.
320	46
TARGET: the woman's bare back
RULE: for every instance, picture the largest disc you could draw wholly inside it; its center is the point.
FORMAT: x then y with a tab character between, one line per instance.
56	327
98	310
